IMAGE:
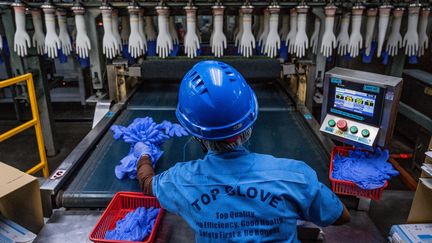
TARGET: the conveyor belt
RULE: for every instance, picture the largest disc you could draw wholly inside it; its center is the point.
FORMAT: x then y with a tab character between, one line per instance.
279	131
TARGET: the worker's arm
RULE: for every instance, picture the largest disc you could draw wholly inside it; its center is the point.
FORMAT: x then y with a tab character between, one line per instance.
145	175
344	218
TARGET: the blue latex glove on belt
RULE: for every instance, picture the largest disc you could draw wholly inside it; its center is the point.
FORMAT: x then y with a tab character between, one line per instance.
145	137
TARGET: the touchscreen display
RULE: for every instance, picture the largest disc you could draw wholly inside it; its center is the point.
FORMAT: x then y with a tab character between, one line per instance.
355	101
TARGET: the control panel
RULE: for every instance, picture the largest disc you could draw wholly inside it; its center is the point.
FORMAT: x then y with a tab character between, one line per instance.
350	131
359	108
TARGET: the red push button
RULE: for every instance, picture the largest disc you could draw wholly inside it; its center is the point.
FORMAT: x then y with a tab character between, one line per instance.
342	125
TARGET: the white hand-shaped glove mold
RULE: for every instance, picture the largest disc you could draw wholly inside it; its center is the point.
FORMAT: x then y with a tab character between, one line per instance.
290	38
301	40
247	42
218	40
125	30
343	37
266	27
272	43
423	37
38	38
52	41
283	32
356	39
21	38
260	28
115	29
136	45
191	42
141	32
109	42
411	38
82	41
150	31
384	15
329	39
394	41
239	30
173	31
370	28
164	44
64	37
315	35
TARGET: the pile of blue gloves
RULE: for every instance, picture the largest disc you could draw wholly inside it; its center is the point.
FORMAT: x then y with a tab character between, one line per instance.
145	137
368	170
135	226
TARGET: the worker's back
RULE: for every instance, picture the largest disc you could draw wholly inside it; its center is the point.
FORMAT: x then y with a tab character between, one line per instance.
243	196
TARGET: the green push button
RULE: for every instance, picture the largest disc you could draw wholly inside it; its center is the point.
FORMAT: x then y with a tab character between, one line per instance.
365	133
331	123
353	129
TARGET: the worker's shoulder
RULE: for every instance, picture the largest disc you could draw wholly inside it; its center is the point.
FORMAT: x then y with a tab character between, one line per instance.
285	164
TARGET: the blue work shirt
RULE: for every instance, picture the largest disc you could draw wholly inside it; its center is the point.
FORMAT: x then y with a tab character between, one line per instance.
244	196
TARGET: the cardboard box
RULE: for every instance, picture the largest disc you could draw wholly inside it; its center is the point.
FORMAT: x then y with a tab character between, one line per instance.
411	233
421	208
20	199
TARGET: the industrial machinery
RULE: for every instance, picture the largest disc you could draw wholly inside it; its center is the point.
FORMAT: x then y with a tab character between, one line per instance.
359	107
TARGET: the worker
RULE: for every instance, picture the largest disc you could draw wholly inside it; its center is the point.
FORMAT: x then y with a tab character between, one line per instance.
233	194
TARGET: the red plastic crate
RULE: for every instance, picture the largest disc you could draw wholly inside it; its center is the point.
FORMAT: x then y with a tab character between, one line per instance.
348	187
120	205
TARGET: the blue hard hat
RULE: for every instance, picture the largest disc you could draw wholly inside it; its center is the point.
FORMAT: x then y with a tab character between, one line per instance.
215	102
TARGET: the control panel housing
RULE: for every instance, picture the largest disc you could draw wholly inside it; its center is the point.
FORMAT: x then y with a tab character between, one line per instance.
360	108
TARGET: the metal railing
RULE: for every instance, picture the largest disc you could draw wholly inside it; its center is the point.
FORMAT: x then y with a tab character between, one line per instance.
34	122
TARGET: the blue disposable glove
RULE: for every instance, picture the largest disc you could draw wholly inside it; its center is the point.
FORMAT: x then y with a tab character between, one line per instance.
145	137
135	226
367	170
368	58
151	48
283	52
385	56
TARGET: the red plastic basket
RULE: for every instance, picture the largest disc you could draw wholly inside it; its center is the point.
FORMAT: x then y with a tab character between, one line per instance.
348	187
120	205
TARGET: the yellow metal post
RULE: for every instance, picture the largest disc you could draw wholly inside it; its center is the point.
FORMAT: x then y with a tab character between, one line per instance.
43	164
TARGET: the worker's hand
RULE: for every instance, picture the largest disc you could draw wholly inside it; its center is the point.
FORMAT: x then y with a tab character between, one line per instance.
52	41
153	151
411	38
290	39
38	38
370	29
356	39
173	31
423	37
21	38
141	149
272	43
343	37
301	40
218	39
109	42
82	42
115	29
315	35
64	37
329	39
150	32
